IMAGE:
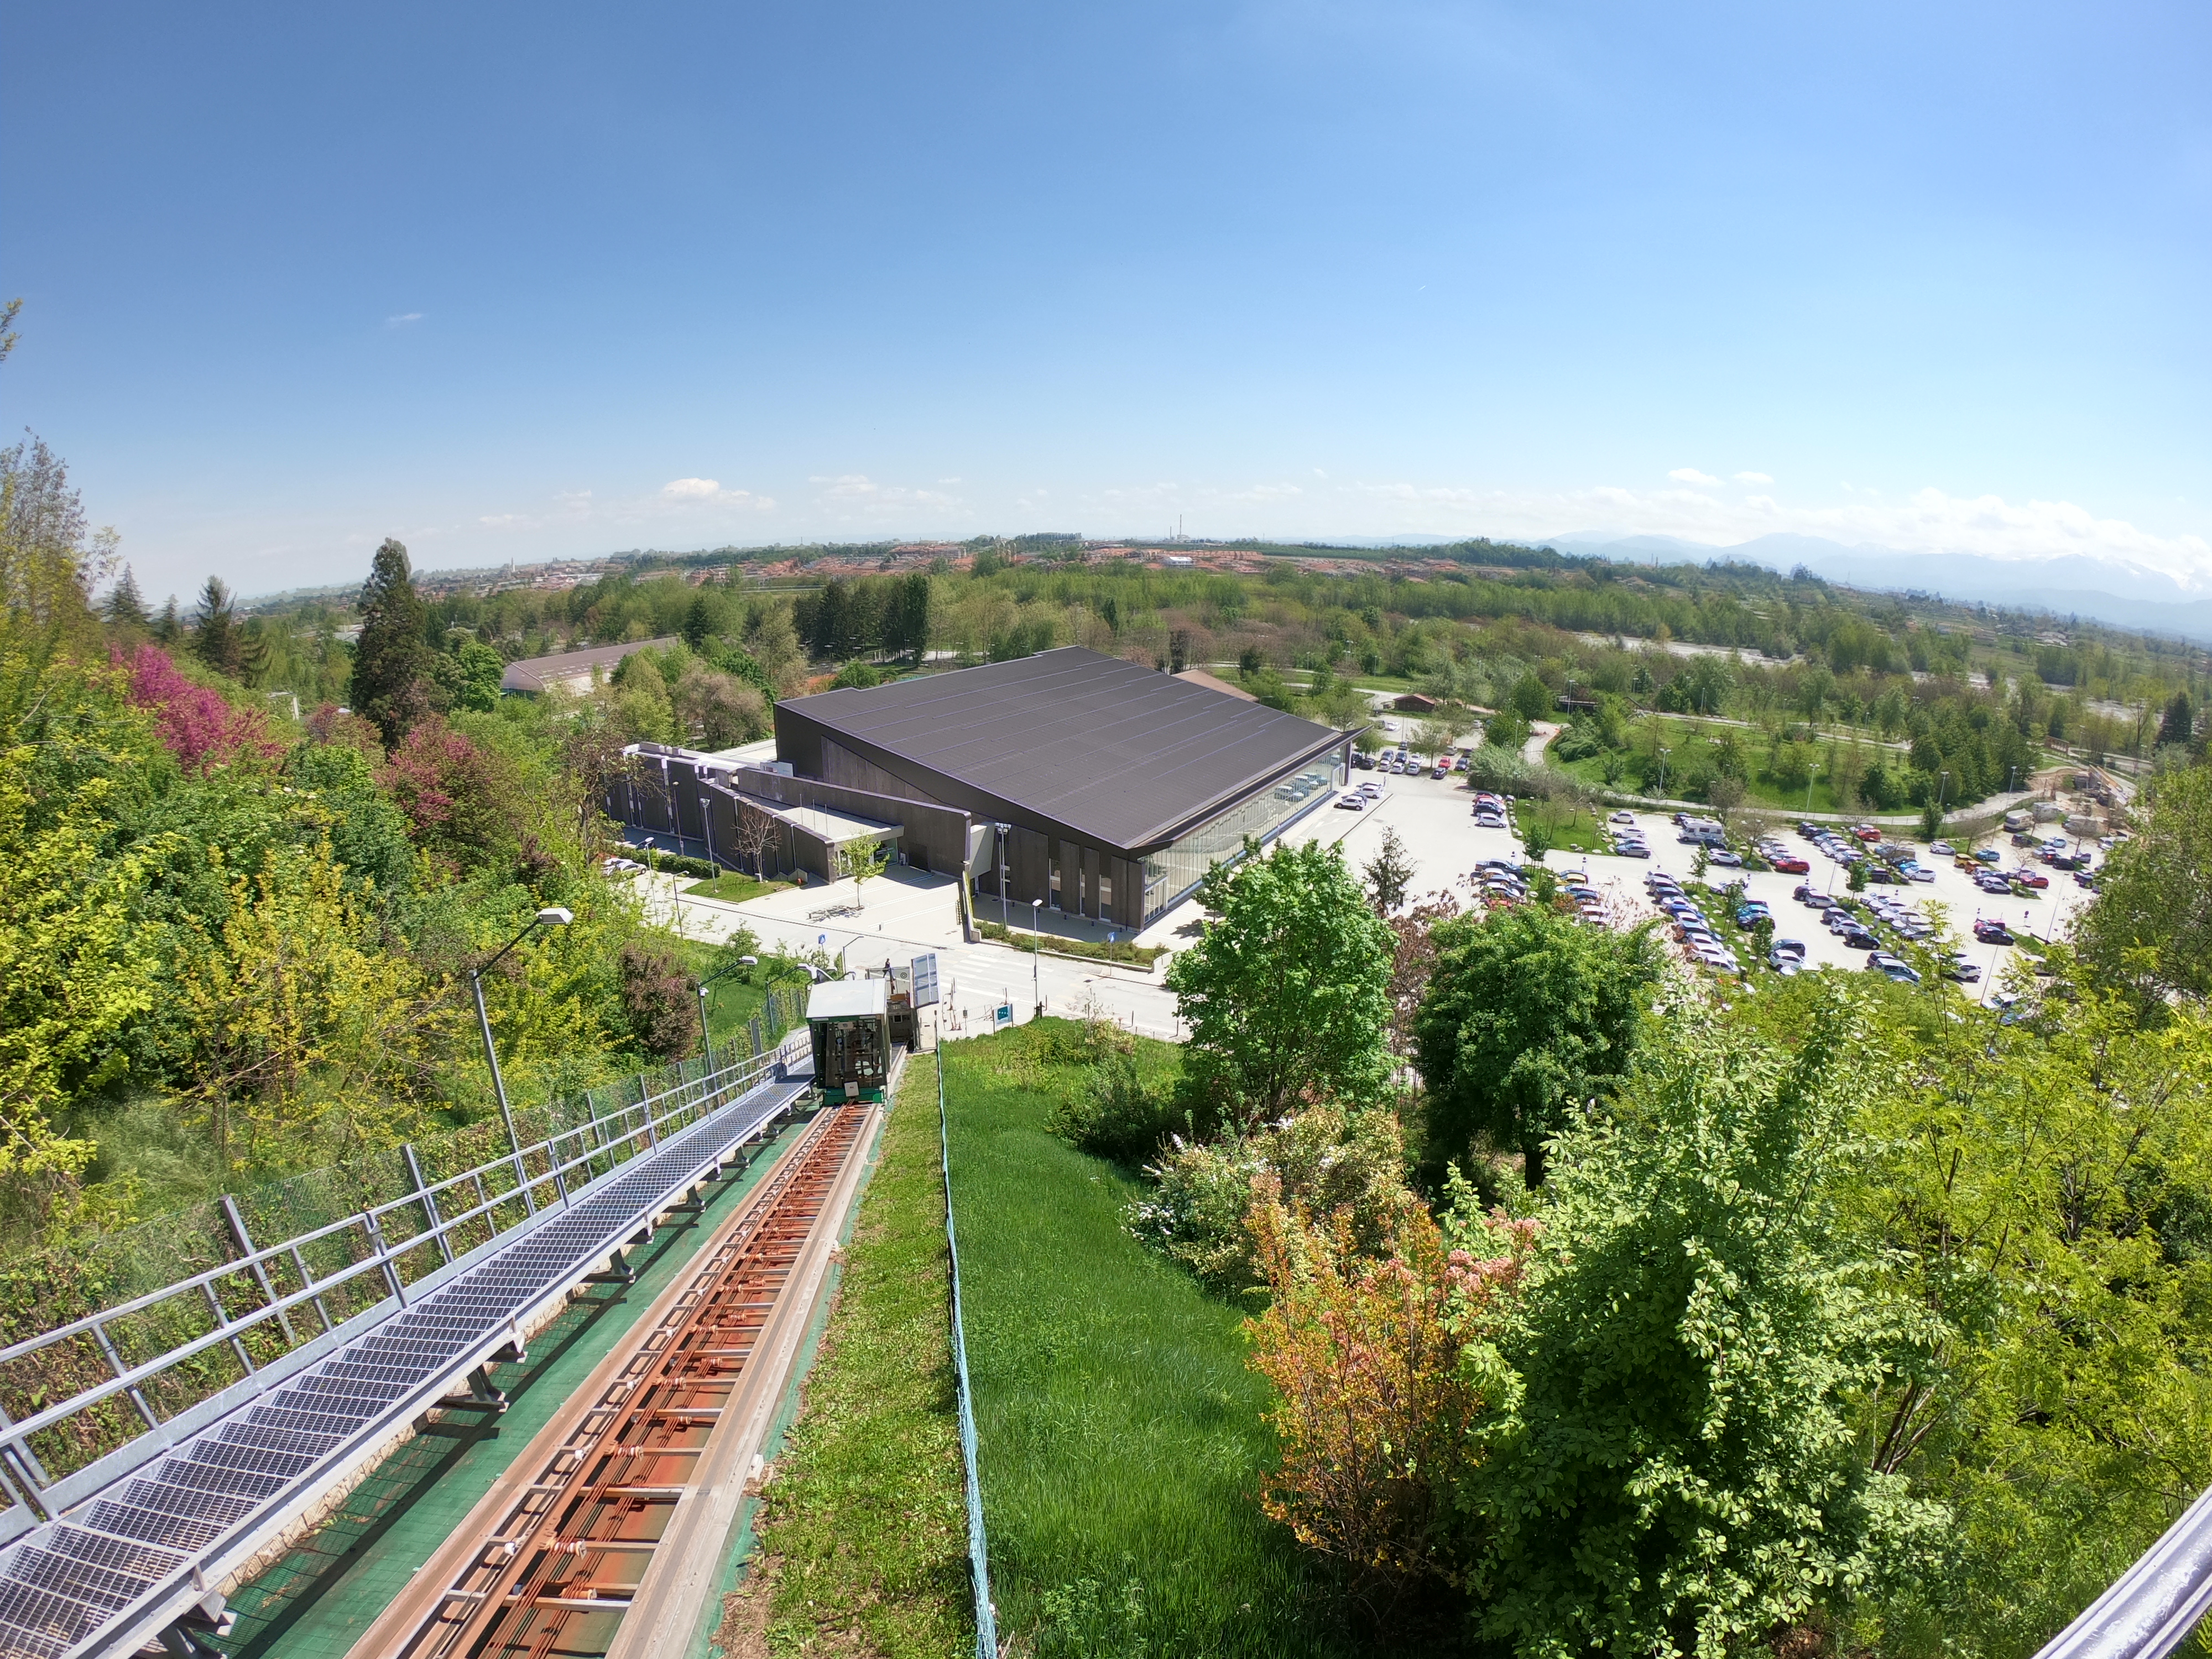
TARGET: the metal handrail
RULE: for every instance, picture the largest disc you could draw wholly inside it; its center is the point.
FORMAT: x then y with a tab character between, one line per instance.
382	1258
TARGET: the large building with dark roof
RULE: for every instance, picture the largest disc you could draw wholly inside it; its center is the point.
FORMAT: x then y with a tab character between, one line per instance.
1106	788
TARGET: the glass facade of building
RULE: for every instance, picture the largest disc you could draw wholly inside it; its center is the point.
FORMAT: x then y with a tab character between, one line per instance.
1174	870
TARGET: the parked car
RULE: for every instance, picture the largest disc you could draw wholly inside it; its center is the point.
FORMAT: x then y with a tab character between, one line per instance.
1623	817
1991	930
1790	865
1941	850
1880	962
1726	858
1354	802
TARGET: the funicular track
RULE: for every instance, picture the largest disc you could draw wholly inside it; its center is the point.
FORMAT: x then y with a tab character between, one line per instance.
561	1558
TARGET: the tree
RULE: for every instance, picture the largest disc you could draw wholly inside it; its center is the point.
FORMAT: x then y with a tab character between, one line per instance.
1287	992
1390	873
1680	1472
756	833
1529	1015
215	628
168	626
2179	724
2150	929
698	629
2041	1187
861	862
391	661
125	607
717	707
470	676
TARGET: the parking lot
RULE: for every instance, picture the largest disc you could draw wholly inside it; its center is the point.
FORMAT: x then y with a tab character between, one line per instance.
1435	822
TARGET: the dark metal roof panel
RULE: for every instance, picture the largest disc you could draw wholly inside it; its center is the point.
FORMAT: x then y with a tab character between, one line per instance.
1121	753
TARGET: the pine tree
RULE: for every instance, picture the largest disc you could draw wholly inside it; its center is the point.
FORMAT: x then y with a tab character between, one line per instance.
167	627
390	659
125	609
215	628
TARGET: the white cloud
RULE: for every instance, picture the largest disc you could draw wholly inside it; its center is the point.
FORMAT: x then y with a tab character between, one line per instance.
1930	520
691	489
851	494
1753	477
402	319
1690	475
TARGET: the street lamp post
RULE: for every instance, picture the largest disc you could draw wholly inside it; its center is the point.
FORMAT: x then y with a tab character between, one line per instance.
553	915
706	1034
1036	953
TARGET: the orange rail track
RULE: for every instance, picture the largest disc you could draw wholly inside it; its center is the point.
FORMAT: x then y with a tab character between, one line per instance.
553	1577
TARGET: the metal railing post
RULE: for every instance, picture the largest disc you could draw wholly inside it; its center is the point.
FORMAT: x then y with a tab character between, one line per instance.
384	1255
429	1201
221	1319
107	1347
244	1240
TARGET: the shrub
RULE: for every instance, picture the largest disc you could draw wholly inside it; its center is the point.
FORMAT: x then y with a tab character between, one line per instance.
1117	1115
1328	1162
198	725
1377	1366
658	999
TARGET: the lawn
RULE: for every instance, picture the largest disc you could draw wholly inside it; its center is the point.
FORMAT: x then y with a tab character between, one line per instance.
732	888
863	1531
1122	1443
1572	831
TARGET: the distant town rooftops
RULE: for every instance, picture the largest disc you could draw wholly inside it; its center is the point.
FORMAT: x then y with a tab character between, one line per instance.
571	671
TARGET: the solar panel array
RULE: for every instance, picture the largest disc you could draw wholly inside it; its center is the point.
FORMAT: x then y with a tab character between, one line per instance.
65	1586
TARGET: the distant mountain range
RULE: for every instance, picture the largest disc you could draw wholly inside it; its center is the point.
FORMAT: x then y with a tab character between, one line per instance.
2114	590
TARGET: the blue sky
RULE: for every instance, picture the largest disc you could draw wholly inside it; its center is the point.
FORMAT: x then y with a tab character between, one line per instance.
528	282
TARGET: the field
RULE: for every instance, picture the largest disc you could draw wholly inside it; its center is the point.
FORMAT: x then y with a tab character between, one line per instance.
1689	746
1122	1443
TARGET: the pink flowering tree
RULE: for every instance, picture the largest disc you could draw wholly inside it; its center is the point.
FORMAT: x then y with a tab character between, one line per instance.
201	728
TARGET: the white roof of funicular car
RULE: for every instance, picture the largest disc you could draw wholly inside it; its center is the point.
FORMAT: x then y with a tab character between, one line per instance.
847	998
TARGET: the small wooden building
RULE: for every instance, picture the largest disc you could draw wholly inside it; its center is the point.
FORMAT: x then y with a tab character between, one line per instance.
849	1022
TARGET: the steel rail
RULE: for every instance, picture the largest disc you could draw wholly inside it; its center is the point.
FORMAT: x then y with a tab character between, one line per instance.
575	1542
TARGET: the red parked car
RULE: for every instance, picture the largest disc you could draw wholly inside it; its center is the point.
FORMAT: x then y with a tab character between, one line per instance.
1792	866
1868	833
2031	877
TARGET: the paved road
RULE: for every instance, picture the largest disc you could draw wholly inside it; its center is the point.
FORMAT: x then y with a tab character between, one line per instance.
975	977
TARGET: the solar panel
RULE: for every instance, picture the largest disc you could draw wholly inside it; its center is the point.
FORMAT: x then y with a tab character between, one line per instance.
63	1582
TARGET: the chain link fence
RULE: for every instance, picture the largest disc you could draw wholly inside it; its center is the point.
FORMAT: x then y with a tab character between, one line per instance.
45	1291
